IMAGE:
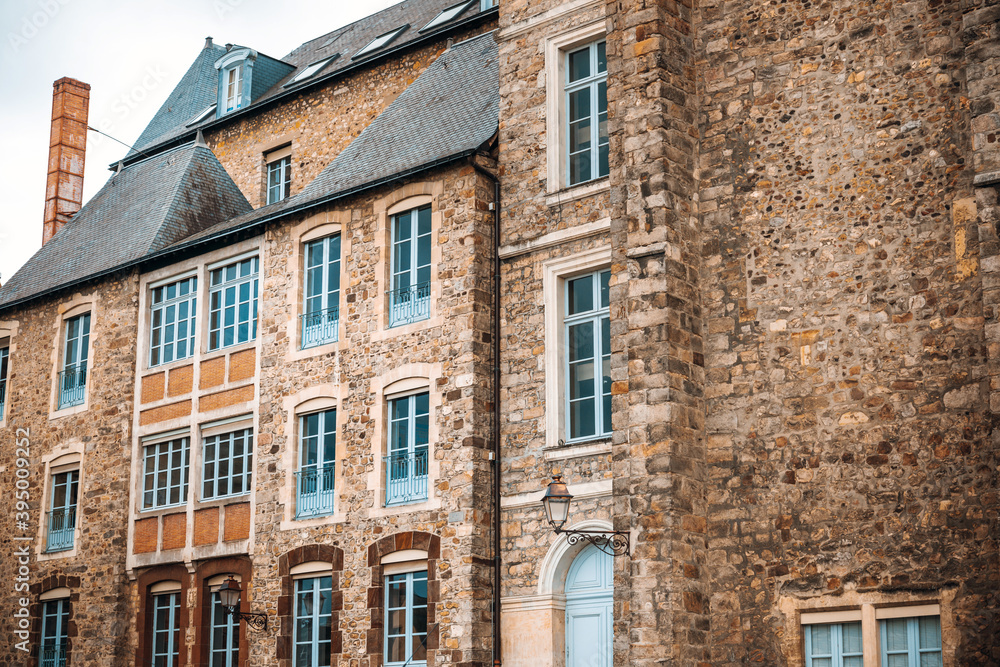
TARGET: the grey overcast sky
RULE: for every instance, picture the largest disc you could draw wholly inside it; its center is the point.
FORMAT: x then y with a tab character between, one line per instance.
132	54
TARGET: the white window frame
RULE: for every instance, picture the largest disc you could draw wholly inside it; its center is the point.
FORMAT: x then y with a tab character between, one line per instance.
554	274
326	469
592	84
163	308
244	458
183	466
172	609
321	583
326	330
280	189
408	579
61	635
232	78
416	307
217	326
413	463
556	113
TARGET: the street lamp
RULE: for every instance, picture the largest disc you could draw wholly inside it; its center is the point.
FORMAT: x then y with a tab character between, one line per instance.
556	502
229	594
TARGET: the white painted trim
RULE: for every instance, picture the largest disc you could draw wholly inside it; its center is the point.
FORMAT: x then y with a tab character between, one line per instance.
226	262
317	404
557	237
554	272
908	612
404	567
227	424
579	191
816	617
405	386
55	594
161	437
165	587
409	203
556	564
192	273
278	153
581	491
579	450
549	16
311	569
404	556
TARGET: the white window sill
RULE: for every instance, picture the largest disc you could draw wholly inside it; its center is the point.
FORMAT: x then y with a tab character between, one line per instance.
575	450
572	193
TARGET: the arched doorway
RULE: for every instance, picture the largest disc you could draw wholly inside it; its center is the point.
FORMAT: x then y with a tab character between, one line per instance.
589	619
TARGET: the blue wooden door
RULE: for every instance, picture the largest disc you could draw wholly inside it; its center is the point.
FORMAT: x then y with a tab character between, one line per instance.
589	593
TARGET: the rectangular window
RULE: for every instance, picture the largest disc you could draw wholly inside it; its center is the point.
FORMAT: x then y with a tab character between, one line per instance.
833	645
62	512
587	113
73	377
279	179
588	359
234	88
166	629
317	464
406	619
406	464
232	315
165	474
911	642
227	461
321	318
172	319
225	641
4	356
313	621
55	638
410	297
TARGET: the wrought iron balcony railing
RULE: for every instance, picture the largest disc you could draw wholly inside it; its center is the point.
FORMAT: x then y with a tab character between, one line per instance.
320	327
314	491
406	477
72	385
62	524
52	656
409	304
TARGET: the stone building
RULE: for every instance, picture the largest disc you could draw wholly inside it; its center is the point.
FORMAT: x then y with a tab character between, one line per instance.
727	268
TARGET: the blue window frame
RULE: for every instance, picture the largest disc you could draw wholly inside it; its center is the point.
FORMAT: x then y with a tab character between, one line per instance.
321	316
587	113
911	642
313	621
232	315
166	629
4	358
55	638
317	464
62	513
172	319
406	464
73	377
587	330
833	645
224	645
410	296
406	619
165	474
279	179
227	464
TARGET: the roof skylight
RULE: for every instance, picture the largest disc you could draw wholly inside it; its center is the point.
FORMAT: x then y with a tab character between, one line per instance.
447	15
311	70
380	42
201	116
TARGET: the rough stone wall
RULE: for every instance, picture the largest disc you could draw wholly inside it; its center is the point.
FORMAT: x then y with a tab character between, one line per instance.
320	123
459	343
95	570
847	384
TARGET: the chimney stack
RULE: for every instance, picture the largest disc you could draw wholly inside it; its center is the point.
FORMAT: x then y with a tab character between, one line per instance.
67	147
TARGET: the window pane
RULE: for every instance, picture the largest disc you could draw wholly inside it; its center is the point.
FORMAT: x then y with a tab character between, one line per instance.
929	632
581	342
895	633
821	639
579	65
602	57
581	295
851	637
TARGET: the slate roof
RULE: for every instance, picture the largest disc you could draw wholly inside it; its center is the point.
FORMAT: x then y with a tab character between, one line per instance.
141	210
201	80
450	111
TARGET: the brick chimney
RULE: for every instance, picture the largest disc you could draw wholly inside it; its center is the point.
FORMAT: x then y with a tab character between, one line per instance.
67	147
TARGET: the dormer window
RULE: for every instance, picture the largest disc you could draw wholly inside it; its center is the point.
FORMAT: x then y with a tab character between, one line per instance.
380	42
234	87
311	70
205	113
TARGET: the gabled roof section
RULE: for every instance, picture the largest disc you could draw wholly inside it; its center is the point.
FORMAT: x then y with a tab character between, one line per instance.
139	211
196	90
449	112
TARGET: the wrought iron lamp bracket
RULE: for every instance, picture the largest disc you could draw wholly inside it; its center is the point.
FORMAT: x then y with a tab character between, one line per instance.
257	621
611	542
